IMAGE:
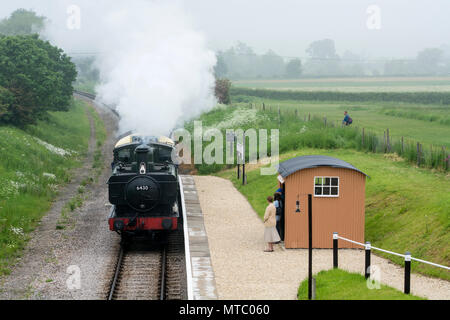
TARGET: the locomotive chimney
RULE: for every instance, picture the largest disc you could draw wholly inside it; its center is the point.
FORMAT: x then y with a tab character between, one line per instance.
144	154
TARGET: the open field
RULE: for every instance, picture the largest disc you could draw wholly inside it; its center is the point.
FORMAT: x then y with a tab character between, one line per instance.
342	285
427	124
33	164
363	84
300	132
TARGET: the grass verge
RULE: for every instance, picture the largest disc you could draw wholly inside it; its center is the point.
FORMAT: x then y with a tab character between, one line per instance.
338	284
100	137
34	163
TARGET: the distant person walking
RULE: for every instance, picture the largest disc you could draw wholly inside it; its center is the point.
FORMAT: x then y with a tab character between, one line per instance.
270	233
347	119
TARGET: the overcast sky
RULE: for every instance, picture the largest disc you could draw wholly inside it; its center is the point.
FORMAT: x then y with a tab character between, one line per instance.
289	26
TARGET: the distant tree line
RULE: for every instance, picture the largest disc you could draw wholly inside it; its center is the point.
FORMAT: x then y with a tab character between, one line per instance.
430	61
35	76
241	62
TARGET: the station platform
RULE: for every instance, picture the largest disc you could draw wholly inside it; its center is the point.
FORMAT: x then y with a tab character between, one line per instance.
200	274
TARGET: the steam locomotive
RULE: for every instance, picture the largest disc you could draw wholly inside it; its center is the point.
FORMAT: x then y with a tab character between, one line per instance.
143	188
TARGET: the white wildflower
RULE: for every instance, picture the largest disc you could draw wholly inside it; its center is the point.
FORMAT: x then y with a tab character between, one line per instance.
238	118
49	175
17	231
55	150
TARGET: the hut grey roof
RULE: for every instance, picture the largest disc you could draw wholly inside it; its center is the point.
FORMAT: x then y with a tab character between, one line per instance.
290	166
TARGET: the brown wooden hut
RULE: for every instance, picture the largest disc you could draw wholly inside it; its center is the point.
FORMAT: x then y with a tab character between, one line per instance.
338	191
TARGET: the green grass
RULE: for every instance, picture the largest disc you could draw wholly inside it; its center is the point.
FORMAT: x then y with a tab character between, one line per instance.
100	130
407	208
100	136
402	119
31	175
296	133
85	86
342	285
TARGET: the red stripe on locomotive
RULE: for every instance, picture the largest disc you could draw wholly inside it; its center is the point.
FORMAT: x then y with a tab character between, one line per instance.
145	223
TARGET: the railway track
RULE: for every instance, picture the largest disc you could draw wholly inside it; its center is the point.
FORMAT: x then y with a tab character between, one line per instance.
149	272
145	271
92	97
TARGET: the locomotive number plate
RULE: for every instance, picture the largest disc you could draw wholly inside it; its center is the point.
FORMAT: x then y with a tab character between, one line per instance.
142	188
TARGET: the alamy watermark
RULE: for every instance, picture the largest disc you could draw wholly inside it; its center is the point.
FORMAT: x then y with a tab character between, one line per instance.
374	281
373	21
73	21
221	151
73	282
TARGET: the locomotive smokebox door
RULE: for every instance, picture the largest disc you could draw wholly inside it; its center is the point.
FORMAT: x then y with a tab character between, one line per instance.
142	193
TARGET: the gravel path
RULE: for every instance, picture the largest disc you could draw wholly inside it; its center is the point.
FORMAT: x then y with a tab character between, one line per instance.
86	245
244	271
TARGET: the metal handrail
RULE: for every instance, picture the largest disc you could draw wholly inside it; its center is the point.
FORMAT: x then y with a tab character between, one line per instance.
395	253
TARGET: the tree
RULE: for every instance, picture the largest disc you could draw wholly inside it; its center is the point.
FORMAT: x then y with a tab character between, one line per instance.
222	91
38	77
322	50
272	65
294	69
22	22
428	60
220	69
324	59
351	64
398	68
6	100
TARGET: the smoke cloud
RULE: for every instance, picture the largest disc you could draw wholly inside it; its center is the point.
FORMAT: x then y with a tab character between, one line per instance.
154	66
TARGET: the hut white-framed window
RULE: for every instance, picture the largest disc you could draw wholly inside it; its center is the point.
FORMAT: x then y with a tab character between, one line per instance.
326	187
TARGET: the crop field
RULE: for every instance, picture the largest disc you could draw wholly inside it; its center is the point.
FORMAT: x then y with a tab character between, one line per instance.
376	84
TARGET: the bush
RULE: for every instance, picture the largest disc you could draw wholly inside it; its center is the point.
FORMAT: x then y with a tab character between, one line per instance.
222	91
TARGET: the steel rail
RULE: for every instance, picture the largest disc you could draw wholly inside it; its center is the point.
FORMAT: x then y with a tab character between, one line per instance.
112	289
93	97
162	295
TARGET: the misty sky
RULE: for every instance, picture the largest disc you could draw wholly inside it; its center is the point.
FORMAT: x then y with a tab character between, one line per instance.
288	26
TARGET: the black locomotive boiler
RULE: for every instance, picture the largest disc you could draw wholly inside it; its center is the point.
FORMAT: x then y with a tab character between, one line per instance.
143	187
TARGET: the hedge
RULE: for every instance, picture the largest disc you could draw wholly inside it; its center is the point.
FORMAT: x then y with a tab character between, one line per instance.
409	97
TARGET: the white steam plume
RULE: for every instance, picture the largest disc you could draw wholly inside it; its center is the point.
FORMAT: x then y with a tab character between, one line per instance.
154	66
